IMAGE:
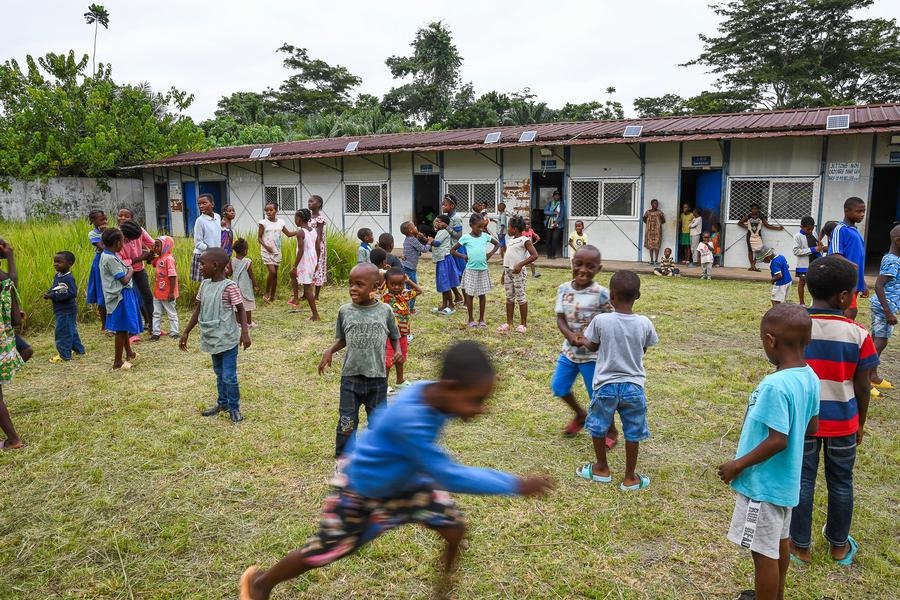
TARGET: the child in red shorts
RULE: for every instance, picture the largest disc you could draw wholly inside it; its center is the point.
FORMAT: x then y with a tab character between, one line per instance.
398	298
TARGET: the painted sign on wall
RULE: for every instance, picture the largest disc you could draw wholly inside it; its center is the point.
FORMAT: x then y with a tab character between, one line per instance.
426	168
701	161
843	171
548	163
895	157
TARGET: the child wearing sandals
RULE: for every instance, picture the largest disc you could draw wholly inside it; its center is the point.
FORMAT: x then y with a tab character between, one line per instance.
123	308
476	281
306	261
622	338
10	359
519	253
446	276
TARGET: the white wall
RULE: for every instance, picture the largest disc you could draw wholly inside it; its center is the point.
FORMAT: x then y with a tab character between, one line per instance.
661	182
70	197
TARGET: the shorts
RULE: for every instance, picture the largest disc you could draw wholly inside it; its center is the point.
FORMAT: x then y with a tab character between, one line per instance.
389	351
801	273
476	282
630	402
880	327
684	239
349	521
759	526
269	258
249	305
567	370
514	284
780	292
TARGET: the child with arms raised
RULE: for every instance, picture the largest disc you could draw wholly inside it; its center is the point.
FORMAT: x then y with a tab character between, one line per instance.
399	298
165	292
242	274
10	359
520	252
766	471
398	474
63	293
446	276
476	281
306	261
123	313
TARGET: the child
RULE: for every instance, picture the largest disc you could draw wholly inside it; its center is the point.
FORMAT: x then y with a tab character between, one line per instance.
398	474
705	250
781	274
667	266
378	257
535	240
207	233
307	259
520	252
577	239
622	338
448	205
825	236
885	305
165	292
218	299
137	249
386	243
806	250
269	236
842	355
502	222
695	229
577	303
363	327
123	313
242	275
476	281
446	277
414	245
365	246
716	240
10	360
97	218
847	241
63	293
227	233
398	297
684	236
766	471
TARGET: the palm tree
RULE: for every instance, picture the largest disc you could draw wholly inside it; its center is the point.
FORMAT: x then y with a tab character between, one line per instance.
96	15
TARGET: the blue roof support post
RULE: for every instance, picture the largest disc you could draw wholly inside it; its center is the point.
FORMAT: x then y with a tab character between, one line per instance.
564	194
197	185
343	202
723	216
642	151
531	180
823	164
412	164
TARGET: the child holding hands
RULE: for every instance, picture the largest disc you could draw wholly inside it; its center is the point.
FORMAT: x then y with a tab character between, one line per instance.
123	312
519	253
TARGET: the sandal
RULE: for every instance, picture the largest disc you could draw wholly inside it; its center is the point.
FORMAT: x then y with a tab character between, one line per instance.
573	428
854	548
503	328
473	325
5	445
643	482
521	329
586	471
482	325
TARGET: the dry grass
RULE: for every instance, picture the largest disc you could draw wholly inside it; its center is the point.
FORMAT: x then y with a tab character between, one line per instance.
124	491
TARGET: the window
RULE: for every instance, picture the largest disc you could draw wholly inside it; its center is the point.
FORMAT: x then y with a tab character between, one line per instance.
592	198
366	198
284	195
783	199
469	192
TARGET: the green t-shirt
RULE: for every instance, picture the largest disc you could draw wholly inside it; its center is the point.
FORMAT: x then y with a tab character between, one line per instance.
476	250
365	330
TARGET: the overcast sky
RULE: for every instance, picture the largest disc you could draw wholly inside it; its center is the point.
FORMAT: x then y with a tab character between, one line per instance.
564	51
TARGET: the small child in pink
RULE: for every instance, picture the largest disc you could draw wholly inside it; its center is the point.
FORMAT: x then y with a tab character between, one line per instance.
165	292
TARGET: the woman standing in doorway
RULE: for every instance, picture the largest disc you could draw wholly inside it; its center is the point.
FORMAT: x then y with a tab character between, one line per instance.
753	223
653	219
555	223
318	223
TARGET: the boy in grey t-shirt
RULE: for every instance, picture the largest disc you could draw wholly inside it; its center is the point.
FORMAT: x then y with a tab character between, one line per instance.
622	338
363	327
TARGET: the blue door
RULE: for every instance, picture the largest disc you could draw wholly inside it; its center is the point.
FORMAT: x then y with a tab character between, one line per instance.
709	196
190	200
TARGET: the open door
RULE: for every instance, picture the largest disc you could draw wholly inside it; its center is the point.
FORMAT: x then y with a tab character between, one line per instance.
884	213
426	202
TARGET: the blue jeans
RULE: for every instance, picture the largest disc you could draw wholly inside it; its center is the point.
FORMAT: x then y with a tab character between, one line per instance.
356	391
629	401
412	277
840	454
225	368
66	336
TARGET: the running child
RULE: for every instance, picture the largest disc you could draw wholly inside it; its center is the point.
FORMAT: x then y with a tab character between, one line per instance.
363	327
766	470
219	301
242	275
577	239
366	239
806	250
476	281
63	293
399	474
781	275
228	214
667	266
123	312
10	359
885	305
207	233
165	292
618	386
520	253
414	246
577	303
706	254
97	218
306	261
446	276
399	292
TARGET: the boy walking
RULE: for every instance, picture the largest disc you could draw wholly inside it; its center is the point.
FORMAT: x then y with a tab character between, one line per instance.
842	355
766	471
780	273
622	338
63	293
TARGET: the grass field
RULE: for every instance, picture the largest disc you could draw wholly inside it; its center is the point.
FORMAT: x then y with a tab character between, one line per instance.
125	491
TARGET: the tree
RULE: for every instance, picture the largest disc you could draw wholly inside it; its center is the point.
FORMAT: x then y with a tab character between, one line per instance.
660	106
96	15
316	87
247	108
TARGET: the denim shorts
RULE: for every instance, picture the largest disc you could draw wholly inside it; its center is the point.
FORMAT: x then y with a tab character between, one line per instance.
567	372
626	398
880	327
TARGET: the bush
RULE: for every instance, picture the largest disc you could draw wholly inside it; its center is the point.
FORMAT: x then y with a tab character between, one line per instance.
35	243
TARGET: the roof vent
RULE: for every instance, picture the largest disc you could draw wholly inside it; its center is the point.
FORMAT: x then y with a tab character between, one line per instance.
492	138
838	122
265	152
256	152
527	136
351	147
632	131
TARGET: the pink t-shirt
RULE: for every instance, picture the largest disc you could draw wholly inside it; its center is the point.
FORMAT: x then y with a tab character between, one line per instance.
132	249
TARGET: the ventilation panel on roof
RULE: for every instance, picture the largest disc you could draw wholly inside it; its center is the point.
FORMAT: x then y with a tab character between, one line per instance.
527	136
838	122
351	147
265	152
256	152
492	138
633	131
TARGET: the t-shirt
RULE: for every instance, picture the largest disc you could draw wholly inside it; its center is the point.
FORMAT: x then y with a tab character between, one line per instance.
623	339
63	293
412	250
848	242
207	232
705	251
784	401
778	265
112	270
365	329
134	249
95	237
516	251
838	348
890	268
441	245
579	307
502	221
577	240
362	253
696	226
476	250
393	261
686	219
165	268
272	233
400	305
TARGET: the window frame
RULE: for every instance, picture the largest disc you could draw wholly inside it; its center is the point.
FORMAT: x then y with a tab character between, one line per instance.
470	183
815	180
386	203
634	181
280	187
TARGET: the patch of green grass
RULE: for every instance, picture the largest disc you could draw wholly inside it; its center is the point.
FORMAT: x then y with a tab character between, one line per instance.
126	491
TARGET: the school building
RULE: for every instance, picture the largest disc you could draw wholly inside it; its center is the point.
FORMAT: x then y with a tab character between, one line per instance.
791	162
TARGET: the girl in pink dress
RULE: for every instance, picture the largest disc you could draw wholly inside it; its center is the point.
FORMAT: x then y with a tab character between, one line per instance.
317	222
307	258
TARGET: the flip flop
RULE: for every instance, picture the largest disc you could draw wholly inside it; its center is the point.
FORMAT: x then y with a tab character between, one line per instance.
246	581
126	366
586	471
854	548
798	561
644	482
5	445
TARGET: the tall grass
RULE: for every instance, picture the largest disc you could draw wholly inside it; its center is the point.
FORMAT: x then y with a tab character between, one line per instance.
35	243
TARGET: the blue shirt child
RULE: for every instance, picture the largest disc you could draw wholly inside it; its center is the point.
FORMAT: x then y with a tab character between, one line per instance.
63	293
780	264
890	267
847	241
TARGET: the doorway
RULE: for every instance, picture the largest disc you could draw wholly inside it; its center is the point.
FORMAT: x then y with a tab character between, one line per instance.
543	184
884	212
162	207
426	201
215	188
703	188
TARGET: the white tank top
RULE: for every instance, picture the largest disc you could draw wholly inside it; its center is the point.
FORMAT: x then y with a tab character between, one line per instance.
515	251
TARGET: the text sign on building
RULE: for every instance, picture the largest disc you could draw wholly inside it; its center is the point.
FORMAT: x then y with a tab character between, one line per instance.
548	163
701	161
895	157
843	171
426	168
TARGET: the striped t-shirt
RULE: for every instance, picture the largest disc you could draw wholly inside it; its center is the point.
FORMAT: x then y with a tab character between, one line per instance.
838	349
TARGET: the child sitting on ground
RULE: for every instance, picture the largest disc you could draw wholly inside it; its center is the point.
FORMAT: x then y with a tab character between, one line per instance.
885	305
123	312
386	243
446	275
398	474
366	238
781	274
667	265
63	293
218	299
363	327
806	251
476	281
414	245
242	275
519	253
705	250
10	360
399	298
535	240
766	471
577	239
165	292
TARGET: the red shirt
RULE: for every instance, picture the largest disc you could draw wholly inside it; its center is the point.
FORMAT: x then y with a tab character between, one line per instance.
165	268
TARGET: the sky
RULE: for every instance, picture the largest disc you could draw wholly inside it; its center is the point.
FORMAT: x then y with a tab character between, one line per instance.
566	51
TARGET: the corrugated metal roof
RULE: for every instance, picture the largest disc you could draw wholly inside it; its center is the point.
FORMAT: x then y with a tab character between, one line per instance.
781	123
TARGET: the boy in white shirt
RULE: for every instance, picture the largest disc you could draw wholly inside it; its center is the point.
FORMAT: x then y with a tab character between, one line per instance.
705	250
695	230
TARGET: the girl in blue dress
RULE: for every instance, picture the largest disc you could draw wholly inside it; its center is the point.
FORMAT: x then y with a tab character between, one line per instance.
122	305
97	218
